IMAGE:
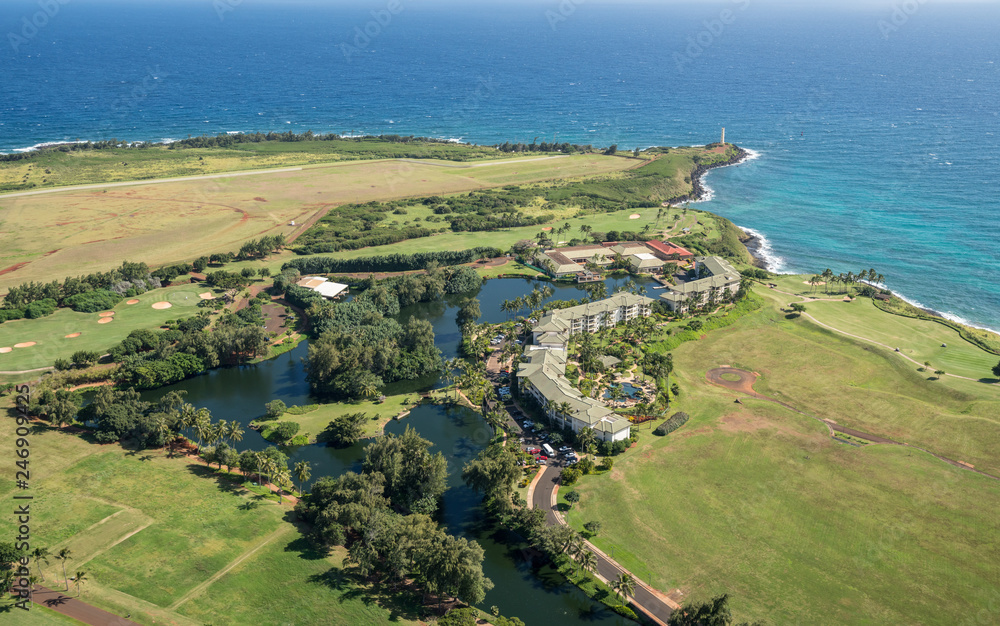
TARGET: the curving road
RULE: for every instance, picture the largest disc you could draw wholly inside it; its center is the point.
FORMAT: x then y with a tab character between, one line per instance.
653	603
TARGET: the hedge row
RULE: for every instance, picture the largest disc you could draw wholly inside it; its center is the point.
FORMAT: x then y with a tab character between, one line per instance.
676	421
389	262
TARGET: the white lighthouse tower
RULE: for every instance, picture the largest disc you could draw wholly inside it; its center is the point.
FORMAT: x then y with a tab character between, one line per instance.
723	135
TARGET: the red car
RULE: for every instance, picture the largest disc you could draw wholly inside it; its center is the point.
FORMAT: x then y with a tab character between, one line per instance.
534	450
541	457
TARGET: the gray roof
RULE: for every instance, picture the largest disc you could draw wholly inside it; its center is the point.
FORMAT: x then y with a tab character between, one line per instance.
609	361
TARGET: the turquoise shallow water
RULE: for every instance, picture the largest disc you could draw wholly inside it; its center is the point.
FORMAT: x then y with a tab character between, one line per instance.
878	138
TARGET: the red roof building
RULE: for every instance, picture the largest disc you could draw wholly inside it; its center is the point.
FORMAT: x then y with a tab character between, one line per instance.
669	251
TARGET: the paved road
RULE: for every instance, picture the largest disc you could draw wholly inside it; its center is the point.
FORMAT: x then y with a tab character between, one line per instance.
652	603
81	611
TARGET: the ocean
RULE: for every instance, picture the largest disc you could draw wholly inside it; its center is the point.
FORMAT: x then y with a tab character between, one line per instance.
875	128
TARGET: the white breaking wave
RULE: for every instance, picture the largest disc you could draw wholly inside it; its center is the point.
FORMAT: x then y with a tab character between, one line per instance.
47	144
948	315
772	261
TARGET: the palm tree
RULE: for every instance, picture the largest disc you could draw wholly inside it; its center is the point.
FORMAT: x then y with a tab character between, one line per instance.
80	577
235	432
624	586
202	424
303	471
368	388
40	554
282	477
587	561
64	555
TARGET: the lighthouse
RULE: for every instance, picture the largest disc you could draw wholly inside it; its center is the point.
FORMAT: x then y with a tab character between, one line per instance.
723	135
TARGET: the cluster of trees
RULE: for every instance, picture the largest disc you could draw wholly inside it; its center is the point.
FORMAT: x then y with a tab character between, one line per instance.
223	279
382	516
534	146
260	248
344	431
389	262
151	359
121	414
129	279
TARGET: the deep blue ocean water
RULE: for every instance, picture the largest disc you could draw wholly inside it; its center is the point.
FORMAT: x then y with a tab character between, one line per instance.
877	129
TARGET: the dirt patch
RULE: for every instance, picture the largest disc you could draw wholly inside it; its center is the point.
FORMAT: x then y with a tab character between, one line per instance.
259	199
13	268
162	305
26	344
133	301
105	320
206	296
106	314
72	335
743	380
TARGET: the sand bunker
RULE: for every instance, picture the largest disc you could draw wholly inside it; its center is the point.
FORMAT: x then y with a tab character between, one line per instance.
133	301
73	336
105	320
206	296
634	216
107	314
6	350
162	305
26	344
806	282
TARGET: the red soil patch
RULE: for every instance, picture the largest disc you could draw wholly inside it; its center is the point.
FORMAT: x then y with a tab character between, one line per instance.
259	199
73	335
13	268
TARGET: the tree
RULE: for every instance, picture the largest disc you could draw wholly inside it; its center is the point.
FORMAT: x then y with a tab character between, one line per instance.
587	439
712	613
64	555
275	409
40	554
469	313
624	586
80	577
573	497
345	430
588	561
592	527
996	370
303	471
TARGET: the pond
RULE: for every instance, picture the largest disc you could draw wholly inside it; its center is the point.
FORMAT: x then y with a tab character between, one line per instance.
240	393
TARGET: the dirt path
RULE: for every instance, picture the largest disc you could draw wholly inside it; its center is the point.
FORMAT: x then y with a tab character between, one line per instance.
78	610
283	530
745	385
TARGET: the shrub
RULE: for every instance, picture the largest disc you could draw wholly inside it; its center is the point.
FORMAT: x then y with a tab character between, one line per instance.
586	465
570	475
625	611
40	308
93	301
592	527
676	421
281	432
83	358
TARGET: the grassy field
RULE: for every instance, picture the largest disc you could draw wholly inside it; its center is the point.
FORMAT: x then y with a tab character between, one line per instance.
137	524
50	332
378	413
758	501
52	168
72	232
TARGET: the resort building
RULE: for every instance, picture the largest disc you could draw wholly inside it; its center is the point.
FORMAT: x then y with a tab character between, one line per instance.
716	278
642	257
556	327
543	377
323	286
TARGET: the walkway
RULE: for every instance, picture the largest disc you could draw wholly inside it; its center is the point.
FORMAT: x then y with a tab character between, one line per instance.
78	610
744	384
655	604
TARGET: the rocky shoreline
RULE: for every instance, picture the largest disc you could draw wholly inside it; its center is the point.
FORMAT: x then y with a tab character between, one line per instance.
697	189
753	245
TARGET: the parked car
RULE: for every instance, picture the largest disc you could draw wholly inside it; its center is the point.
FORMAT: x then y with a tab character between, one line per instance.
534	450
542	457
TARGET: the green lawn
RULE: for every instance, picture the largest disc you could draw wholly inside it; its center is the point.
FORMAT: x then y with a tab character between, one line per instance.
919	339
49	333
287	582
150	530
378	413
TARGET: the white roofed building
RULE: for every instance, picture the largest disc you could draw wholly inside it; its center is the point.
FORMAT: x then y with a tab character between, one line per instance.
323	286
